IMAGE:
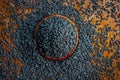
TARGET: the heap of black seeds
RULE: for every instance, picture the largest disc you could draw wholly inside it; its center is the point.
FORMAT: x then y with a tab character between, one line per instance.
56	37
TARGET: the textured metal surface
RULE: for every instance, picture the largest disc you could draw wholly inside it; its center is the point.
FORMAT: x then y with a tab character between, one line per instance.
97	56
52	33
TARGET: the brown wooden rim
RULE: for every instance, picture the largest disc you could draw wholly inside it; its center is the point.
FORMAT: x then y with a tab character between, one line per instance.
66	56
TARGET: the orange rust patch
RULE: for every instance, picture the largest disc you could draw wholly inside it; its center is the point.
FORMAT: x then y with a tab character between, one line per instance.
5	47
7	41
15	26
75	5
5	7
104	14
85	5
28	10
107	54
18	62
103	21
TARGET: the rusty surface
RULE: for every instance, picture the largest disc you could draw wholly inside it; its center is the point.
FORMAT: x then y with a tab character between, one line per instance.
102	15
